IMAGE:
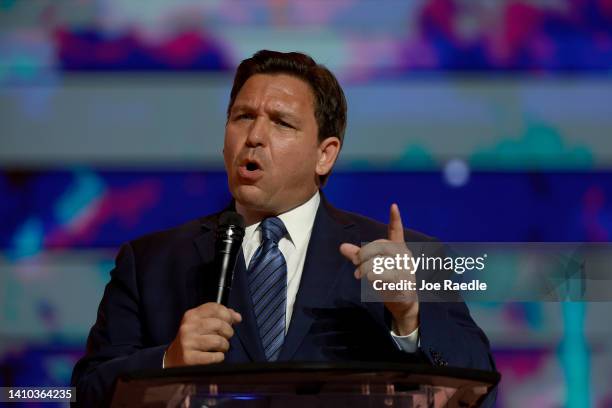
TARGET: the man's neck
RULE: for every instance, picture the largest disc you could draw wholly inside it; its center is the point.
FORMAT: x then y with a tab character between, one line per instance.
252	216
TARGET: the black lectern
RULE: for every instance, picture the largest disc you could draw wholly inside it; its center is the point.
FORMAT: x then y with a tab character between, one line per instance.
297	385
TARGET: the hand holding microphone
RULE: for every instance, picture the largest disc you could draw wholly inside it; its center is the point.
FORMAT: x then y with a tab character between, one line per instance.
203	336
204	333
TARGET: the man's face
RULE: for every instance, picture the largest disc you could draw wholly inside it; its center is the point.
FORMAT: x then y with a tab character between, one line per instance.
271	145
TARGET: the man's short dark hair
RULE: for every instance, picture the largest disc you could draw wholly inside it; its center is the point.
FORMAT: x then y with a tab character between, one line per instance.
329	99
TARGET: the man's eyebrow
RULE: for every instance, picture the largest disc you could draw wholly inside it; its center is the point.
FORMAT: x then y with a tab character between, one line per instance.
285	115
274	113
241	107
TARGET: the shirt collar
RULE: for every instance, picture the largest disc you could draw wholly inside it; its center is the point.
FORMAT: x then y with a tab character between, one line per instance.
298	221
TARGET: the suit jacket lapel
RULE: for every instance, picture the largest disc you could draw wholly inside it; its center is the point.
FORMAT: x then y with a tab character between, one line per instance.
322	270
240	298
198	281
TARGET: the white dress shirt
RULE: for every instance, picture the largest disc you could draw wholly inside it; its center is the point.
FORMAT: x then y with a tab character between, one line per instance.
293	246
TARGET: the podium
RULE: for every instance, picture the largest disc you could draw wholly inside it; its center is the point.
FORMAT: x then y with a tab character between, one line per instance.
297	385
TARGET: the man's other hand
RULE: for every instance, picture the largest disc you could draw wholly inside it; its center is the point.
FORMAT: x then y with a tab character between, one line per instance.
405	313
203	336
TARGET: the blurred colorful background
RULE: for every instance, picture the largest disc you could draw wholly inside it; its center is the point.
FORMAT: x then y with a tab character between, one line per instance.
485	120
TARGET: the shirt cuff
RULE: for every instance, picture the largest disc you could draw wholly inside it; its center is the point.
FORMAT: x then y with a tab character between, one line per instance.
409	343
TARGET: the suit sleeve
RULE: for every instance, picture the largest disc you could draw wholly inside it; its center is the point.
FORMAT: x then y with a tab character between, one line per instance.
116	342
447	333
449	336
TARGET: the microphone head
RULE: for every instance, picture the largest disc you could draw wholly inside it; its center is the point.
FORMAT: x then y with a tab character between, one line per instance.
231	218
230	232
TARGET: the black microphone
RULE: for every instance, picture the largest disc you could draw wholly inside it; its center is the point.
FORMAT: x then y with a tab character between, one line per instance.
230	232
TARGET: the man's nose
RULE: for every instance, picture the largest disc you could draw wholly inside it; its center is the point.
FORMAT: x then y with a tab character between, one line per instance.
257	132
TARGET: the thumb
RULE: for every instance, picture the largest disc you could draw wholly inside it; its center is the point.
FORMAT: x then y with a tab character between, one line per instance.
395	228
351	252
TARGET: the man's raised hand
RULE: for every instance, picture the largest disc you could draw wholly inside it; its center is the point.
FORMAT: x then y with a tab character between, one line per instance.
405	313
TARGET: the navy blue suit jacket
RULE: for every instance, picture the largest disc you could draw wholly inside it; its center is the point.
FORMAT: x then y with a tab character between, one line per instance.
160	276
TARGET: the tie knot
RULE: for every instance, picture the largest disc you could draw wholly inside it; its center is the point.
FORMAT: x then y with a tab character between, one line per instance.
273	229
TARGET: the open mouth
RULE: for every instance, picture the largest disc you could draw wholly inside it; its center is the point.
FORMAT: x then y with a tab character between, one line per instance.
250	171
252	166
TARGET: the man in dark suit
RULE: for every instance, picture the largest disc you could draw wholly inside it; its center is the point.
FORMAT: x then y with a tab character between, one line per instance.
296	293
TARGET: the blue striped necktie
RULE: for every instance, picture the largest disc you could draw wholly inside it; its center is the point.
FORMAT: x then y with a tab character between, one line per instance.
268	286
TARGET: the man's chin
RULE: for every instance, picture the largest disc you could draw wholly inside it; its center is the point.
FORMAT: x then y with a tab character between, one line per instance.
250	196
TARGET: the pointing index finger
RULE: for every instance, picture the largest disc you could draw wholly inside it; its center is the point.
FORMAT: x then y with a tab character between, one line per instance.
395	228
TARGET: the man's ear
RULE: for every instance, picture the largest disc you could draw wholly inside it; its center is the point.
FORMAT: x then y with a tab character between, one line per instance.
328	153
